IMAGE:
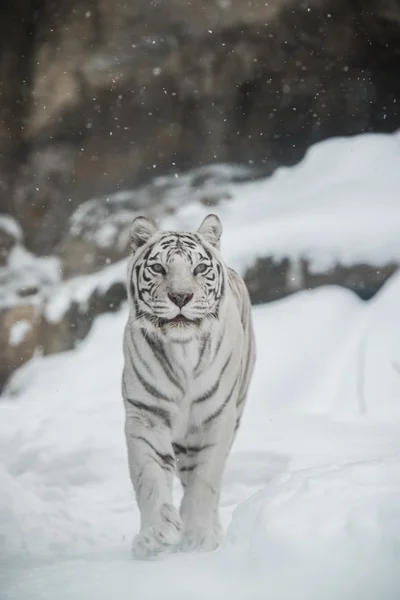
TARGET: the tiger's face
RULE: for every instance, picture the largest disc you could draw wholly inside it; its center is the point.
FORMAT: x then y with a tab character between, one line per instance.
176	279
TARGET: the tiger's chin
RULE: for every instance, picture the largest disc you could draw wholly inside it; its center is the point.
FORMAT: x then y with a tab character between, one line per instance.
181	328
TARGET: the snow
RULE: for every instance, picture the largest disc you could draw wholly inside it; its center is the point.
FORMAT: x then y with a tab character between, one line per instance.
313	481
11	227
311	492
339	204
79	289
19	331
25	275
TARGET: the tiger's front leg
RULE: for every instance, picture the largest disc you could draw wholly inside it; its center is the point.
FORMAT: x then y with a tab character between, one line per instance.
200	468
152	467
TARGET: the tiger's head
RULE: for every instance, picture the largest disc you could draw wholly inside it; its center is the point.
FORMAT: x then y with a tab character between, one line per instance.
176	280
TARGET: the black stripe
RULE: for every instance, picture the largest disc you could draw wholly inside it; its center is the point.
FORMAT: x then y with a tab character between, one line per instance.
210	256
208	393
154	410
137	309
191	449
139	355
153	391
187	469
146	255
139	291
202	350
139	481
179	449
141	288
240	401
216	414
219	342
214	388
168	459
222	283
158	350
196	449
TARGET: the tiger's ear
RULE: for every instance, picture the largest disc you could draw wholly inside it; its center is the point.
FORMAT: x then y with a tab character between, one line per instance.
211	230
142	229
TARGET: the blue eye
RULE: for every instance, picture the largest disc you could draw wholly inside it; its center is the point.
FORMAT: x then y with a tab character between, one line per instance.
200	269
157	268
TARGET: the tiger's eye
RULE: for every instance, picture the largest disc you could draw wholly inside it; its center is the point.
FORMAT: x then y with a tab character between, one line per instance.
157	268
200	269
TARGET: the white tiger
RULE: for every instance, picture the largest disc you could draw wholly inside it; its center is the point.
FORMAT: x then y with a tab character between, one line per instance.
188	359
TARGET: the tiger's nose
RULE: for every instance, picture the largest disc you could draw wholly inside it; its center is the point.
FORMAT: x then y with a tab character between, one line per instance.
180	299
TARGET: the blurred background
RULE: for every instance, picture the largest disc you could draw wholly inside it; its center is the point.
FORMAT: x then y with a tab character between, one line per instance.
110	109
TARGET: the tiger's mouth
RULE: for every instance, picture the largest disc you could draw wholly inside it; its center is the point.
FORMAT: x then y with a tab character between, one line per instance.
178	320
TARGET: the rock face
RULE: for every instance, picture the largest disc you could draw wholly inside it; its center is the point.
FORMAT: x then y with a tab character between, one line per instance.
101	95
39	314
270	279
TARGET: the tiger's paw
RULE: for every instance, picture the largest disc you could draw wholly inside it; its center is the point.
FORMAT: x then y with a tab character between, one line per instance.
160	537
201	539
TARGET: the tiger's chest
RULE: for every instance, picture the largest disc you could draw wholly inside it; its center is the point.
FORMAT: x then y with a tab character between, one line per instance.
198	366
185	358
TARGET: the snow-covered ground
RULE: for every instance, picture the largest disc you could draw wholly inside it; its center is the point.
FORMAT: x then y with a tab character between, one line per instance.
311	494
313	481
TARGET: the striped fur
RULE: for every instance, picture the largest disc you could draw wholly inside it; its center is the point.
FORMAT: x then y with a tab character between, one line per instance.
189	356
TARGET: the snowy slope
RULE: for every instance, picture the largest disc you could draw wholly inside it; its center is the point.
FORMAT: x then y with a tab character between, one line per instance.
319	448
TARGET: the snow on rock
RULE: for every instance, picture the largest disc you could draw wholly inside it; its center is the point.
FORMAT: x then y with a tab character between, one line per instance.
339	204
19	331
11	226
80	289
27	277
99	230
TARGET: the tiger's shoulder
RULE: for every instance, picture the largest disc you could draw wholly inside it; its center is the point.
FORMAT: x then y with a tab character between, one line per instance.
239	291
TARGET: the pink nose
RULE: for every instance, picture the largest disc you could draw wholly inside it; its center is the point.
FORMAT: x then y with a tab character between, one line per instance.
180	299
